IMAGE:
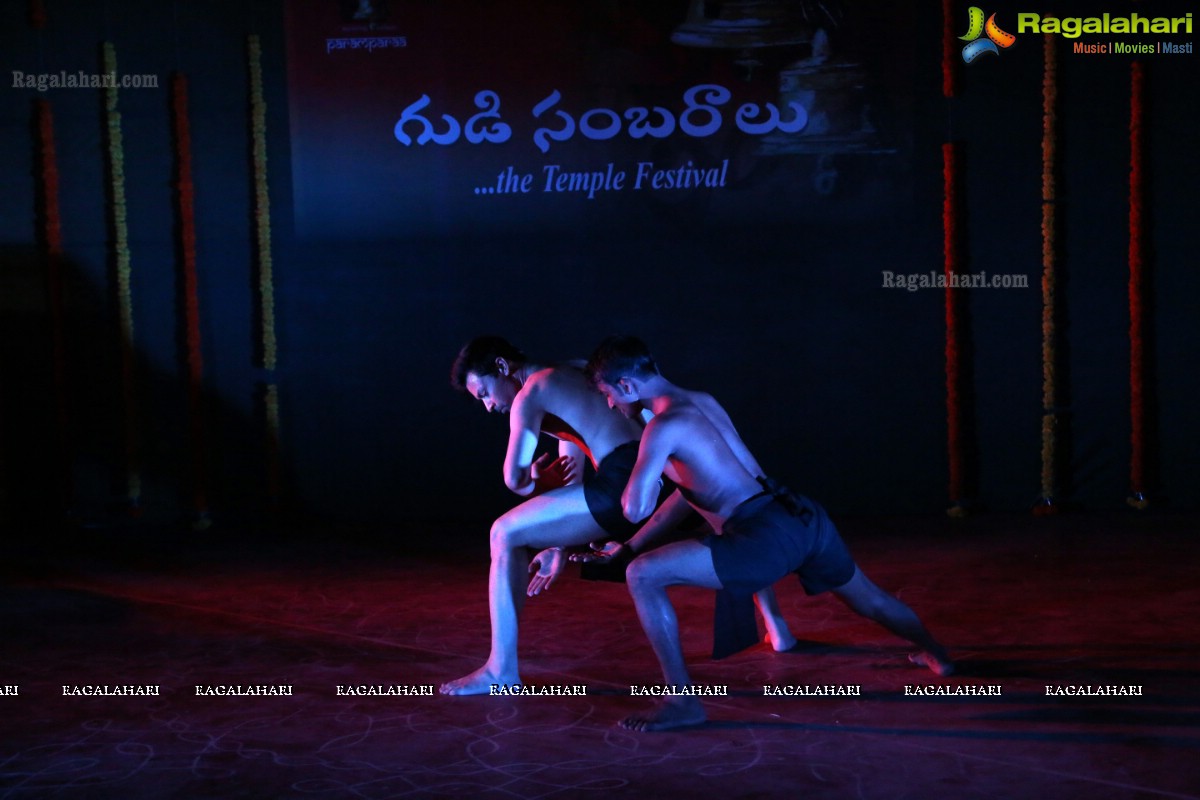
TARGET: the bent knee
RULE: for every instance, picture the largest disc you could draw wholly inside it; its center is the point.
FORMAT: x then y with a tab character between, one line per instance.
646	572
505	535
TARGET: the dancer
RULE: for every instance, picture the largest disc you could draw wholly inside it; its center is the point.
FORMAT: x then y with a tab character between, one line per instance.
562	510
766	531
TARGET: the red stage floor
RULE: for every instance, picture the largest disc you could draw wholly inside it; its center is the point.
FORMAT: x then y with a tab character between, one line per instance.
1023	603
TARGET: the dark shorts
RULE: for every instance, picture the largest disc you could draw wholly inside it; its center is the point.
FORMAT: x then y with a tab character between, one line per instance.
603	489
763	541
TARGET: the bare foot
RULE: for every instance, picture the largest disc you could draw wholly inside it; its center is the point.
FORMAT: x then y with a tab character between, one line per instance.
941	665
781	641
680	712
478	682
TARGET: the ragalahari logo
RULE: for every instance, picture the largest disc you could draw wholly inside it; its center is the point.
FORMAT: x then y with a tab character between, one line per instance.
976	28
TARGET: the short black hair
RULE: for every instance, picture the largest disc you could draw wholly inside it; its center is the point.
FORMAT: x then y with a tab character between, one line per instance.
479	356
620	355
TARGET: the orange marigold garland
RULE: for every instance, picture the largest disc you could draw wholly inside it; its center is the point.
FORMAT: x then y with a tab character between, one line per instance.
1046	504
950	178
185	209
120	244
1137	376
266	289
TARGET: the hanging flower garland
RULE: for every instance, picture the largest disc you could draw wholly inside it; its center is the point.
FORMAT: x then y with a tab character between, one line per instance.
262	203
950	204
185	210
51	221
951	156
1137	410
120	243
1049	280
37	14
949	51
266	290
53	255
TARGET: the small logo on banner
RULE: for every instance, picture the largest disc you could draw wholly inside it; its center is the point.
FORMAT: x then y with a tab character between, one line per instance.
976	28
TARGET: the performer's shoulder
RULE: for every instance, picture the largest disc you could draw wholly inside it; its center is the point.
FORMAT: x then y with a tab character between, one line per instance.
708	405
676	417
552	384
702	400
558	377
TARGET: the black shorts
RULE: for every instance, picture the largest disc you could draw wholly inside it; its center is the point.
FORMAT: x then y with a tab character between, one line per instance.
603	489
762	541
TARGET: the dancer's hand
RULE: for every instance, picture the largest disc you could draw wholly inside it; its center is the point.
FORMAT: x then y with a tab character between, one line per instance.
599	553
548	564
551	473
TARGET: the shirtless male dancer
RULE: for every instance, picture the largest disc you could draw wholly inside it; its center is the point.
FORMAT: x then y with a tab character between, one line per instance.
558	401
765	530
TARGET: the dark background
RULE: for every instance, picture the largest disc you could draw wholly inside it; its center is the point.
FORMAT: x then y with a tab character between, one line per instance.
836	383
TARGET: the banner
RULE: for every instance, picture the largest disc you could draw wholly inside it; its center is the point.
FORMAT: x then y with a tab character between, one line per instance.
468	117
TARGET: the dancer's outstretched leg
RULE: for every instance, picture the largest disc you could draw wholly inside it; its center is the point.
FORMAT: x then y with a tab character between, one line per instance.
868	600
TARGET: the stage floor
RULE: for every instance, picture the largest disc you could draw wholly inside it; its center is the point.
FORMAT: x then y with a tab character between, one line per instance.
1023	603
